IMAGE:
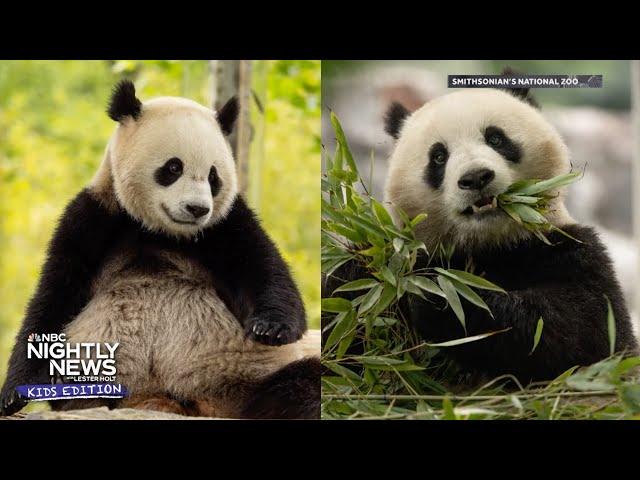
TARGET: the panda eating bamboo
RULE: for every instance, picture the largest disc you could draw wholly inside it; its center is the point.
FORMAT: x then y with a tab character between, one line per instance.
452	158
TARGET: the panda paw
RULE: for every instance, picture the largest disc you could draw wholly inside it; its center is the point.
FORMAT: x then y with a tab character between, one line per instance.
10	402
272	332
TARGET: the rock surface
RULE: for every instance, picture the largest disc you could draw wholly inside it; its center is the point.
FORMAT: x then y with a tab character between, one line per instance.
310	345
103	413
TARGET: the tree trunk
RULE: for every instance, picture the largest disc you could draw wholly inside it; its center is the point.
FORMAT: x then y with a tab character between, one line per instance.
233	77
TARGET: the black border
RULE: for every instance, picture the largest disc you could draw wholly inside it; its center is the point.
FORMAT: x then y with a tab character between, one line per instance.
325	31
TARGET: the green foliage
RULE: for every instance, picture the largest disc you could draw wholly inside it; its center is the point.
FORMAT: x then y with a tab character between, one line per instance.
287	198
356	227
399	376
53	132
527	202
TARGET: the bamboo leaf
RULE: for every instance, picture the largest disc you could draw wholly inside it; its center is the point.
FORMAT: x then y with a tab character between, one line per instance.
520	185
366	225
335	305
470	295
344	325
387	363
611	327
343	371
418	219
562	232
550	184
370	299
468	411
453	299
537	335
402	287
370	252
513	198
329	211
328	268
386	298
516	403
511	211
426	285
361	284
388	275
542	237
630	396
470	279
405	367
528	214
346	232
378	360
337	158
463	340
381	213
412	288
625	365
448	413
342	140
345	343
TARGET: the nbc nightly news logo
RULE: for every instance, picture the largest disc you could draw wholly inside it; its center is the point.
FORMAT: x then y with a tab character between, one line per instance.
88	368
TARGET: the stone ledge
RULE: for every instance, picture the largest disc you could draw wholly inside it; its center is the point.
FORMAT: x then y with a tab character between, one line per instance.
310	345
103	413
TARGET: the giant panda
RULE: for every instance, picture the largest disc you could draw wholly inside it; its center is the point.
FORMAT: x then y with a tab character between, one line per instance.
161	254
450	160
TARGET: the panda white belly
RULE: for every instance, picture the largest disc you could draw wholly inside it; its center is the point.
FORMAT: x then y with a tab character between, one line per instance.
176	335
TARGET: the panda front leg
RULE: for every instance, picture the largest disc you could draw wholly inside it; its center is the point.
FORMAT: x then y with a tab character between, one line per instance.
76	251
293	392
253	279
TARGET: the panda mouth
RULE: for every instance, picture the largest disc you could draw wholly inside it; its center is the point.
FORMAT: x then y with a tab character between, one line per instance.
168	214
487	203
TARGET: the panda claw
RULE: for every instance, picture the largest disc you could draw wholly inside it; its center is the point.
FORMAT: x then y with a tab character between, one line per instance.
272	333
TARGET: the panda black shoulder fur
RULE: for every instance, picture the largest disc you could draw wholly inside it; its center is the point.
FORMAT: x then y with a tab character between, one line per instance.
162	255
451	158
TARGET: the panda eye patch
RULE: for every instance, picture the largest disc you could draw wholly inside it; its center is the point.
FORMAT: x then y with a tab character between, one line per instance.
434	173
214	181
498	140
438	154
169	172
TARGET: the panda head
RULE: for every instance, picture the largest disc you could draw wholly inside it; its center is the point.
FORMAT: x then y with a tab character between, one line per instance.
457	152
168	164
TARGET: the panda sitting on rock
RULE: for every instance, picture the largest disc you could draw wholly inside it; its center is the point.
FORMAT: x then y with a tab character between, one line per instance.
452	157
160	254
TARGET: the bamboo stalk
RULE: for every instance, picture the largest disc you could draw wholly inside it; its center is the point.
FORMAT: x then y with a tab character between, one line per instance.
594	393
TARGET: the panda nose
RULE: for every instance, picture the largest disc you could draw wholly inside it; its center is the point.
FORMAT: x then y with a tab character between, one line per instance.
476	179
197	211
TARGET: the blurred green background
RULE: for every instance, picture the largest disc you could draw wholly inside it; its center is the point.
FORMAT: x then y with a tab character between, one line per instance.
53	131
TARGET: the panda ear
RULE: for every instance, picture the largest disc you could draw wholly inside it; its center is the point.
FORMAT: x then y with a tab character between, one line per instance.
394	118
227	115
124	102
523	94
